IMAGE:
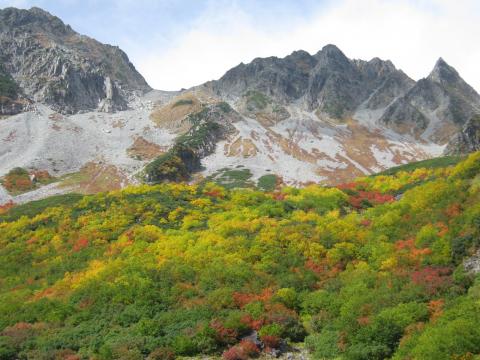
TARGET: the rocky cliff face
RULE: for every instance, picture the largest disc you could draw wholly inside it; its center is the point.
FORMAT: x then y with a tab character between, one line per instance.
54	65
327	82
466	141
437	106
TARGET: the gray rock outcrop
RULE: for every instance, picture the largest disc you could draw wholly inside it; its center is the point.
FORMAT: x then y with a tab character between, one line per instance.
467	140
472	264
53	64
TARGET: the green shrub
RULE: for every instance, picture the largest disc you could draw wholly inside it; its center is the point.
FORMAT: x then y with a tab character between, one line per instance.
271	330
257	100
182	102
267	182
324	344
8	87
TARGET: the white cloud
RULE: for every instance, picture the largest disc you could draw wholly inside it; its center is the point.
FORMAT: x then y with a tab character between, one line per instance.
413	34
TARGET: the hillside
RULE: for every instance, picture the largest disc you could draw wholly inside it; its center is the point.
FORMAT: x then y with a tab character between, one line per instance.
77	112
384	267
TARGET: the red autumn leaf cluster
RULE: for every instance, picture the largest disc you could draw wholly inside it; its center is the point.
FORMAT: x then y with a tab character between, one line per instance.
80	244
7	206
251	323
270	341
435	308
223	334
364	199
432	278
243	351
242	299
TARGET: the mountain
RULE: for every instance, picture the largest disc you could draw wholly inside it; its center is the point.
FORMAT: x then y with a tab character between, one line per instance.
327	82
54	65
78	111
325	117
436	107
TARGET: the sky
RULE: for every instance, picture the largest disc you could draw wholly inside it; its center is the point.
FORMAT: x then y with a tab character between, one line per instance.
181	43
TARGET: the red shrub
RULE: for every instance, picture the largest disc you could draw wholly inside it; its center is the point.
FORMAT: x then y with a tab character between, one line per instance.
363	198
66	354
432	278
242	299
363	321
251	323
435	308
7	206
222	334
271	341
80	244
215	193
316	267
249	348
278	196
42	175
235	353
453	210
161	354
366	222
280	314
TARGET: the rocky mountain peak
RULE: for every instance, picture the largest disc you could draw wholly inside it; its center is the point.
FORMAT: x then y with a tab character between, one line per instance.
443	73
331	55
33	20
53	64
382	65
331	50
437	106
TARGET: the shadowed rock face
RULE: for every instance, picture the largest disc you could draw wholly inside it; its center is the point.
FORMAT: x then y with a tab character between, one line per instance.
468	140
54	65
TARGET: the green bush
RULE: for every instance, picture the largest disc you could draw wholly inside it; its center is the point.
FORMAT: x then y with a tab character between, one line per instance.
271	330
257	100
267	182
8	87
182	102
324	344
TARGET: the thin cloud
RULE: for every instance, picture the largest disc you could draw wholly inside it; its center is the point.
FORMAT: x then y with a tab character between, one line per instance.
412	35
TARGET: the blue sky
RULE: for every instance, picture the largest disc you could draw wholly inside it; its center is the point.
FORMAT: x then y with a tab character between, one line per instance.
181	43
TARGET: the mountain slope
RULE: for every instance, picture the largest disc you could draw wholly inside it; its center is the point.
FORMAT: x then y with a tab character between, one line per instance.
299	119
385	267
54	65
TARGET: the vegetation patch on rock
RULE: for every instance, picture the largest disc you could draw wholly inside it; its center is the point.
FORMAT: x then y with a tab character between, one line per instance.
207	127
20	180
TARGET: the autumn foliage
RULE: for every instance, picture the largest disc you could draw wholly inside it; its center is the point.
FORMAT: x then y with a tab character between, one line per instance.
373	269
